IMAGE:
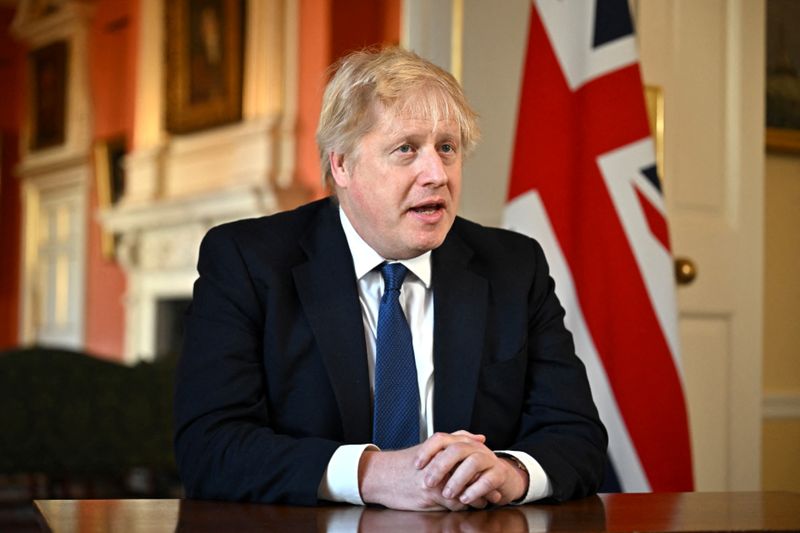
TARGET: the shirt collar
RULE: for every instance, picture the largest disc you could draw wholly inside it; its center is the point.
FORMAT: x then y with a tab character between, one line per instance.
365	259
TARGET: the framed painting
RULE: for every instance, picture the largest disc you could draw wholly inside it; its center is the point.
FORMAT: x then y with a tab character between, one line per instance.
783	76
205	49
48	97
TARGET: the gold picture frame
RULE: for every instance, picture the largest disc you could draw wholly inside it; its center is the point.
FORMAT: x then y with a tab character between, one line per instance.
654	100
205	53
783	140
110	179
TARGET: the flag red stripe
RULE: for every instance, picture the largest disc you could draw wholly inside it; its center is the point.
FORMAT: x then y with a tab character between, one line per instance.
656	222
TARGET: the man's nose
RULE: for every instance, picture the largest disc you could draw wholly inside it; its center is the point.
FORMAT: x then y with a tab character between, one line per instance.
431	170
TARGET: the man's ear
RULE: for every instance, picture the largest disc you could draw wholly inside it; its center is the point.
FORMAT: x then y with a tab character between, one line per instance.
339	171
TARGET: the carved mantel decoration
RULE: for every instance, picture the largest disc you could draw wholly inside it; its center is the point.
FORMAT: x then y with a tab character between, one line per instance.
180	182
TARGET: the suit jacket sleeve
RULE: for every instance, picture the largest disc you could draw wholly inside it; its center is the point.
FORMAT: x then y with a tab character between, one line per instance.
225	442
559	425
505	364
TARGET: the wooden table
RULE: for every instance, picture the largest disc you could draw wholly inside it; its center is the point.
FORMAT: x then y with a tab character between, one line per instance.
743	511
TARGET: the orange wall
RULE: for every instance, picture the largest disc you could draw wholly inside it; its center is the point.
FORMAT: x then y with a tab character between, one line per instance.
360	23
12	64
314	57
112	49
328	30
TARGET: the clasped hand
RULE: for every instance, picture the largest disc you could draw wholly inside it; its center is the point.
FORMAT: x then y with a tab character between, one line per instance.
452	471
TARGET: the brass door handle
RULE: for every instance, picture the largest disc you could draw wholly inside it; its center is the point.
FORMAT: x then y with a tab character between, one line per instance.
685	270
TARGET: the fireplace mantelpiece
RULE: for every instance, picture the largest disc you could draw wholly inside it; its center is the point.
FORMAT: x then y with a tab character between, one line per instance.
179	186
204	180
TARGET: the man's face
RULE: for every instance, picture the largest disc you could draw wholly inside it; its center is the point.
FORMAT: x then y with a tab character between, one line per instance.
401	187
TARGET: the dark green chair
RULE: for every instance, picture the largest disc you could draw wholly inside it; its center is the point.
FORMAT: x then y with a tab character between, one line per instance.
82	421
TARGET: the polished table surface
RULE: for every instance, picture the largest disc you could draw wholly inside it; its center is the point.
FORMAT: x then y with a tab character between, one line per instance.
696	511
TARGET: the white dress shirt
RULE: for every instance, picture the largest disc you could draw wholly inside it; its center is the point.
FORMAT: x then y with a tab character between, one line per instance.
340	482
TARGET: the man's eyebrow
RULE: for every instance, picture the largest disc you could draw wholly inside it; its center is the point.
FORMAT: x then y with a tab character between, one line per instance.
416	135
404	135
453	137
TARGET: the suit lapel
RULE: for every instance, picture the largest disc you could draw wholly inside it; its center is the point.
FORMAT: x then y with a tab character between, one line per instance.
327	288
460	308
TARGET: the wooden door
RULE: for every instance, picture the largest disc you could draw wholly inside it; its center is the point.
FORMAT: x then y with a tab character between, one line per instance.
708	59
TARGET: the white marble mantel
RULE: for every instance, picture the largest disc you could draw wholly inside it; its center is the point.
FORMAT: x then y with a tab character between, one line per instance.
158	246
182	190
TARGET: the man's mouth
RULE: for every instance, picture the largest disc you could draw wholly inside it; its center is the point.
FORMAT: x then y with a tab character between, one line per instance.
428	208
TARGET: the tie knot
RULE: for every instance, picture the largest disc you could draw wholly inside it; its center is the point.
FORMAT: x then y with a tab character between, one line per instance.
393	275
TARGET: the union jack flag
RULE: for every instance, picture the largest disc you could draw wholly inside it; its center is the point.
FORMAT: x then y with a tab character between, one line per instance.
584	184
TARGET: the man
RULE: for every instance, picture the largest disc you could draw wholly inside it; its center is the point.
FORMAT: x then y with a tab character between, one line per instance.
380	317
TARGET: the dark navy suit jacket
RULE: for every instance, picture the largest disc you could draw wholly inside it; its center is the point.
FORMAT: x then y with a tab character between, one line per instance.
273	375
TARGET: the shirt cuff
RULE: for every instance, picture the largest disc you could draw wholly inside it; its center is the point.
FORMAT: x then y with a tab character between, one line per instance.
340	480
538	483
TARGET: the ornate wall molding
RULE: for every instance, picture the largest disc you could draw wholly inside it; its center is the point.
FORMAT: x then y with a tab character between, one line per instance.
54	170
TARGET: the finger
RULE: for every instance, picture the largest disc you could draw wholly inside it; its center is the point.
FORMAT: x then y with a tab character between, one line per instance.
438	442
480	503
453	504
466	471
449	461
479	476
495	497
489	486
474	436
429	448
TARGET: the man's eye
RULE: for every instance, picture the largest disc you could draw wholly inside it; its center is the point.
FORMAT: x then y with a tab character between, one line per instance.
447	148
405	149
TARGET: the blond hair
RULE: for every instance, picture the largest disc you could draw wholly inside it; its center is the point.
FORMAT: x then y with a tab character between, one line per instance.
399	80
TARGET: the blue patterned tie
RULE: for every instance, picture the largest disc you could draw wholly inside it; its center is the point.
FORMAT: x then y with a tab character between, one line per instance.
395	423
